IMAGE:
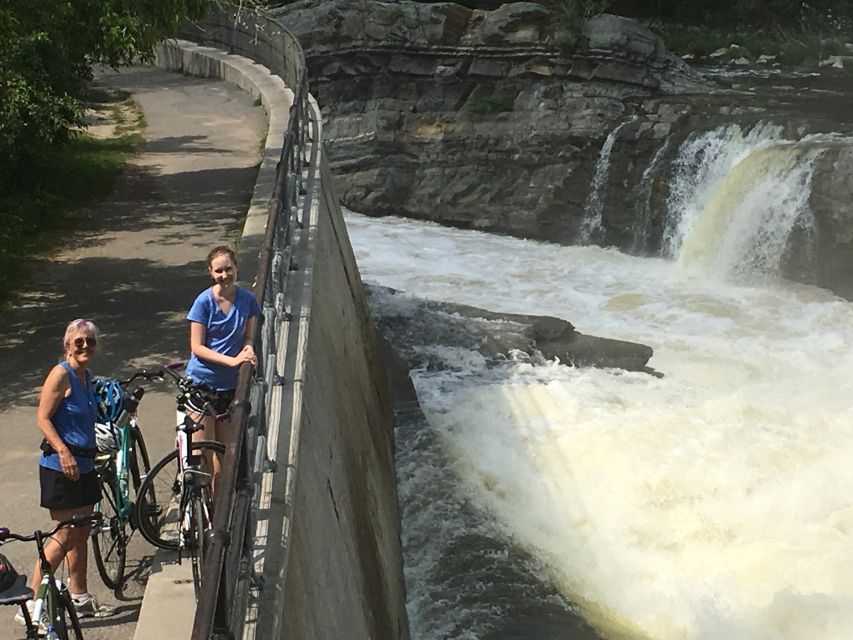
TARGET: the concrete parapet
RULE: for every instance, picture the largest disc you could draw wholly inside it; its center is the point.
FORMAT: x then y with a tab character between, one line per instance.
328	543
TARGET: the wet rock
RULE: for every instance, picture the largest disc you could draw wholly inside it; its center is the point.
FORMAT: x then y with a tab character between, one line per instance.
436	335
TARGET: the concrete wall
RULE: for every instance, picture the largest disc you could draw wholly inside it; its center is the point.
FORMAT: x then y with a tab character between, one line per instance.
329	532
344	577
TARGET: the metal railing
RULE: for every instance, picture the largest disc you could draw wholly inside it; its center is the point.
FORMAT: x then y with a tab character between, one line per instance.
228	574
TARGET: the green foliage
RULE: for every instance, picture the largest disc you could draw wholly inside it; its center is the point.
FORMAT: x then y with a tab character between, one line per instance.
794	48
43	204
772	16
46	56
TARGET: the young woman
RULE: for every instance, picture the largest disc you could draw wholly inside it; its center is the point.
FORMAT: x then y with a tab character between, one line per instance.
69	484
218	320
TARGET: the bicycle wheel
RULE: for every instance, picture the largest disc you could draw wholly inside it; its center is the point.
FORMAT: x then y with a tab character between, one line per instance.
139	466
201	511
109	541
159	496
66	609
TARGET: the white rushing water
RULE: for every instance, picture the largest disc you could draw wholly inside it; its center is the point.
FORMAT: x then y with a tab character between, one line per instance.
715	503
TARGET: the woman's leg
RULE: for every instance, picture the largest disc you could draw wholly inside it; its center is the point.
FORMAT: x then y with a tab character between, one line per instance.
55	547
78	555
211	431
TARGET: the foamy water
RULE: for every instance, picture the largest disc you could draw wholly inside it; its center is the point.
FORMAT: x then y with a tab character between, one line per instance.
714	503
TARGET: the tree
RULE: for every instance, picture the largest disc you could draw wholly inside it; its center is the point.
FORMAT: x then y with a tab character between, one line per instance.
47	54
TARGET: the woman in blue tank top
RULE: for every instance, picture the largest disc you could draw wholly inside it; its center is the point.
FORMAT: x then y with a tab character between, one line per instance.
69	483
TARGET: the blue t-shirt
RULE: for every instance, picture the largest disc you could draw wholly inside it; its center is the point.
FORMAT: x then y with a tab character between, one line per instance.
74	420
222	333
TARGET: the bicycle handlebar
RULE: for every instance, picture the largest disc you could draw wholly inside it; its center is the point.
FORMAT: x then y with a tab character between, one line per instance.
77	520
143	373
191	391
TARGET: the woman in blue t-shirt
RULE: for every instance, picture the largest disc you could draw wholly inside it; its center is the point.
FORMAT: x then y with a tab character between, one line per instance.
218	320
69	483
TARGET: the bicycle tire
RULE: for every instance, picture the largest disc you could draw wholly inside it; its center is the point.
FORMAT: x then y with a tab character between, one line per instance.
109	541
139	452
199	500
140	467
67	608
160	490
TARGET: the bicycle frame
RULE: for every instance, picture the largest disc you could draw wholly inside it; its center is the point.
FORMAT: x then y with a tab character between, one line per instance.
190	475
49	594
117	466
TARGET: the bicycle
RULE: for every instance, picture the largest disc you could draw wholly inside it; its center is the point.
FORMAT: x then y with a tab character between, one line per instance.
176	508
121	463
53	597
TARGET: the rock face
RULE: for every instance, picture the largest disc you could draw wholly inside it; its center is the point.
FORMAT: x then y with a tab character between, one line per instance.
473	118
497	120
422	329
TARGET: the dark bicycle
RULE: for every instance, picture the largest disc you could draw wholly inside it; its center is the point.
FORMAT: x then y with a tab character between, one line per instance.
175	507
53	601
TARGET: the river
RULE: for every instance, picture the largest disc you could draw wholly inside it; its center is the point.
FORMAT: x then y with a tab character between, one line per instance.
713	503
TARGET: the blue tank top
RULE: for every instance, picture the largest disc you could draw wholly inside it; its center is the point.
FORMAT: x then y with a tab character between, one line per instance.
74	421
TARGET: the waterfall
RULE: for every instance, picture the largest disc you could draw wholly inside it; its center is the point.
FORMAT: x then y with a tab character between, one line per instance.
595	203
736	198
703	161
744	227
642	210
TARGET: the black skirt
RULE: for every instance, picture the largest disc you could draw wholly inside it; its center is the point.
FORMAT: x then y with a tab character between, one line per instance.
59	492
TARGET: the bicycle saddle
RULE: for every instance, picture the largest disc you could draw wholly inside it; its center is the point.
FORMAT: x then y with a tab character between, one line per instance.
13	587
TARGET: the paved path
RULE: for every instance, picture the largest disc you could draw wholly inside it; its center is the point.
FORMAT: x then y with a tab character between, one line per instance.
134	270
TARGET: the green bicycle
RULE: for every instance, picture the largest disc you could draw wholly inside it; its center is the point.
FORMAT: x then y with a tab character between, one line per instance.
122	464
53	616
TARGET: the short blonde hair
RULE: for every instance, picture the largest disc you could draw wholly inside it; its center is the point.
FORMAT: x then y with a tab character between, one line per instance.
77	326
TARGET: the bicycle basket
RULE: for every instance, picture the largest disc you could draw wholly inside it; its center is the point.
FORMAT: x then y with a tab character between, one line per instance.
107	438
109	395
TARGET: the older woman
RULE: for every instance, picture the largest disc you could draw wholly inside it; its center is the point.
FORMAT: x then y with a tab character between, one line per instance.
69	484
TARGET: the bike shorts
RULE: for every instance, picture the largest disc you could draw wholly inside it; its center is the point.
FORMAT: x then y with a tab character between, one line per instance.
59	492
219	400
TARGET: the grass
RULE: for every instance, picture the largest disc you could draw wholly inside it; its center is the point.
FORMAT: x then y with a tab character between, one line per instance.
39	209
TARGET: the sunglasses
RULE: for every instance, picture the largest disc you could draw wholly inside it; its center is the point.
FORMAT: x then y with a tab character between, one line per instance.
89	342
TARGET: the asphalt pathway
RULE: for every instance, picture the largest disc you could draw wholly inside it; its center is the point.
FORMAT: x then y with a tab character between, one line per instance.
134	269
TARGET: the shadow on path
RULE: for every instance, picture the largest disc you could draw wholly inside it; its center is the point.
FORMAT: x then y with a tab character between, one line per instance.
134	269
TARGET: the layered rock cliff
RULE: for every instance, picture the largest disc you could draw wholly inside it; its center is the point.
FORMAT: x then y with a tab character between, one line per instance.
497	120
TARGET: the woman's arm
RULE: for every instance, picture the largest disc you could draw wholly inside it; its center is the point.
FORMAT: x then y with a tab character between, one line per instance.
203	352
53	391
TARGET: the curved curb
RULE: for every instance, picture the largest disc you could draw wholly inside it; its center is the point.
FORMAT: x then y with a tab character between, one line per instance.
168	604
